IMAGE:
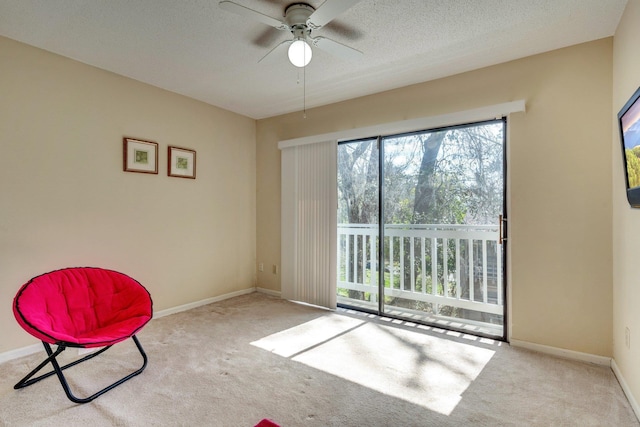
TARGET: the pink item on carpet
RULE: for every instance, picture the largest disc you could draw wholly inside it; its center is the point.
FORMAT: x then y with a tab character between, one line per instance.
266	423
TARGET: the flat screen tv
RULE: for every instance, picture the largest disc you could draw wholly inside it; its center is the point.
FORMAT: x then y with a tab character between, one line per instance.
629	124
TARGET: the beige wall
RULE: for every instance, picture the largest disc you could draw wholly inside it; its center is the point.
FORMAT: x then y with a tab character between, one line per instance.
65	200
559	194
626	221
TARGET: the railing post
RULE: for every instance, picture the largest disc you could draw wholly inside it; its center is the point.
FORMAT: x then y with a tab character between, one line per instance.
402	267
458	284
434	266
347	258
391	266
471	272
423	264
445	266
484	271
412	257
498	273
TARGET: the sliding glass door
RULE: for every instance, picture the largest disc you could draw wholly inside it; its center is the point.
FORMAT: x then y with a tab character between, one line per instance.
420	223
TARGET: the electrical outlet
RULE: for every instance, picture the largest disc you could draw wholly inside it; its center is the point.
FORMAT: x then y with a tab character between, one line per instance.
261	267
627	338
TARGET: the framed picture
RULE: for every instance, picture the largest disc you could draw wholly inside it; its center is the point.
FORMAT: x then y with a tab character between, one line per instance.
182	162
140	156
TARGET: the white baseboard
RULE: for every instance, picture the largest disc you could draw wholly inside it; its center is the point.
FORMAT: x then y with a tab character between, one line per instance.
561	352
625	388
19	352
269	292
191	305
34	348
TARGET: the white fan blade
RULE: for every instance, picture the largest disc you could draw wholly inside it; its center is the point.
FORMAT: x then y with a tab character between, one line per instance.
335	48
329	10
286	42
250	13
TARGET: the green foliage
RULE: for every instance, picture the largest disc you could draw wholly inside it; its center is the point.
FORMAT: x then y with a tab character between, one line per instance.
446	177
633	166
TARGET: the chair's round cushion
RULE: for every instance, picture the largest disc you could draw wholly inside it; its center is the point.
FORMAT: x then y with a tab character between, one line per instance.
82	307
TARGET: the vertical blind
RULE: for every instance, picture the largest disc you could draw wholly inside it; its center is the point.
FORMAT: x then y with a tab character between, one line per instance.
309	223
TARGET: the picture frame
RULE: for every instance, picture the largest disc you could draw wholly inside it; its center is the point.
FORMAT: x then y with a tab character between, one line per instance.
139	155
181	162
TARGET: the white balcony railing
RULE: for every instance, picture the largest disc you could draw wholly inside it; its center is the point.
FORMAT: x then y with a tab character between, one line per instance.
457	266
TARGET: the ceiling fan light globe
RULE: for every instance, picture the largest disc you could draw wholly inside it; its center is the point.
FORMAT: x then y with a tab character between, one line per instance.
300	53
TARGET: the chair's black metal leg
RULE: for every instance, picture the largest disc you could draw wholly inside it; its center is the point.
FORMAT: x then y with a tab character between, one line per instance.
52	355
57	369
26	382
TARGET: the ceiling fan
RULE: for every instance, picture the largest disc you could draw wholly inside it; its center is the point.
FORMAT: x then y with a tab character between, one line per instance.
301	19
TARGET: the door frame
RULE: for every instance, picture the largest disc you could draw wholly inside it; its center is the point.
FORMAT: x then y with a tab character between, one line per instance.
501	248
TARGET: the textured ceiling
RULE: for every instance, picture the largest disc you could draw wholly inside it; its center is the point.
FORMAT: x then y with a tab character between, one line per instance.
197	49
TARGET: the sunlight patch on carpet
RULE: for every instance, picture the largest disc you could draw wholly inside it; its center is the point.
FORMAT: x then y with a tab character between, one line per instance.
419	368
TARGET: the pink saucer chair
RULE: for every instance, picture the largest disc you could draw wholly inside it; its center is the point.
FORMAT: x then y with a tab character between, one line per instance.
81	307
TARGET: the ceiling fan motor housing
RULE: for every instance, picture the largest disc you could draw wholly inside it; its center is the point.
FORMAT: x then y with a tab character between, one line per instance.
296	16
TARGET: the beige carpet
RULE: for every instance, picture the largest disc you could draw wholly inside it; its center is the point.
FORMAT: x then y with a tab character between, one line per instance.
235	362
